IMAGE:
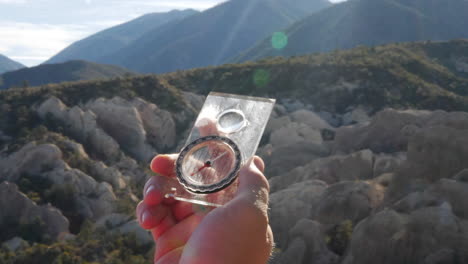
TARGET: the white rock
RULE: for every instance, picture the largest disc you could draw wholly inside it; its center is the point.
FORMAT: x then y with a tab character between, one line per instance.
30	159
82	125
123	122
311	119
16	205
16	243
291	204
143	237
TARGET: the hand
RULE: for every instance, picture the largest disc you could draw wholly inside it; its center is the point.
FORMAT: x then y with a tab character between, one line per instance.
237	232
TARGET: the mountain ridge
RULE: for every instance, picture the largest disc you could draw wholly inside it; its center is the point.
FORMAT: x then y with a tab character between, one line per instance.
369	22
76	70
7	64
182	45
112	39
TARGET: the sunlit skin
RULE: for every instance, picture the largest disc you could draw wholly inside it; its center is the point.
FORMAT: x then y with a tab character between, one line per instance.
237	232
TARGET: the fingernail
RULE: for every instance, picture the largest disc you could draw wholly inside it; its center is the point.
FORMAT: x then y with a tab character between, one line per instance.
146	215
150	188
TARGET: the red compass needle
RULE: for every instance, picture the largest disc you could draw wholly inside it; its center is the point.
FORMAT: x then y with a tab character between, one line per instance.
208	164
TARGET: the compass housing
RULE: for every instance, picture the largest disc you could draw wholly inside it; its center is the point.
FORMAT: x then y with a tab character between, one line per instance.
208	164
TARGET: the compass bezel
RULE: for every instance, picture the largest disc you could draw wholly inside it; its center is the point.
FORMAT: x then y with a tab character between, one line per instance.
212	188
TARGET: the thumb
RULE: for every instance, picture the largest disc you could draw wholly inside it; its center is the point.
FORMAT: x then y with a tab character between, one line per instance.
253	185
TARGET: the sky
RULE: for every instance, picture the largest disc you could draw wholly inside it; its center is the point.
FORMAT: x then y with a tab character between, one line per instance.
32	31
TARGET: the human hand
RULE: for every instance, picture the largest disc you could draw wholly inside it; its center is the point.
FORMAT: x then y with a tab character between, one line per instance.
237	232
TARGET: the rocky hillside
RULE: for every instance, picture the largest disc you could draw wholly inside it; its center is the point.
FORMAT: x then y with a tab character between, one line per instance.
115	38
7	64
369	22
62	72
365	184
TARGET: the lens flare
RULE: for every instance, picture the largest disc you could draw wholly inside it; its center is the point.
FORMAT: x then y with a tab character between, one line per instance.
261	77
279	40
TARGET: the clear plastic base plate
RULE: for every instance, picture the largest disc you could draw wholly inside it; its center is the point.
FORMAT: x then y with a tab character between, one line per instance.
225	136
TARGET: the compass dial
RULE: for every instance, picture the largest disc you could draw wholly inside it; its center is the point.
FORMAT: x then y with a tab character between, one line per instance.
208	164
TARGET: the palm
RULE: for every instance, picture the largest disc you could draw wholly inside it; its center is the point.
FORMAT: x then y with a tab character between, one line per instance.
188	233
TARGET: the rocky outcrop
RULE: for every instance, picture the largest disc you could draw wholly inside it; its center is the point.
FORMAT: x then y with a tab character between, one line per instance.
346	200
291	204
123	122
387	132
307	245
14	244
427	235
159	124
446	145
93	199
82	125
123	224
45	161
18	208
390	130
295	139
30	160
109	174
355	166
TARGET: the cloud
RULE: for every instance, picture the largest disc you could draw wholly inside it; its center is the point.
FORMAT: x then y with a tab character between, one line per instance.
33	43
12	1
34	34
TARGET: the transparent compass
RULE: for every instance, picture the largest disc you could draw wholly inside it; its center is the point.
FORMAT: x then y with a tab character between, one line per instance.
224	137
208	164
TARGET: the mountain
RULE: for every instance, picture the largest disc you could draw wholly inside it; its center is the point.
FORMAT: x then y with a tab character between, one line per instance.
62	72
211	37
7	64
113	39
370	22
351	181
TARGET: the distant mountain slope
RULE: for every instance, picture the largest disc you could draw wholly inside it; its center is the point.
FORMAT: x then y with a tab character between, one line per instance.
56	73
115	38
213	36
7	64
370	22
409	75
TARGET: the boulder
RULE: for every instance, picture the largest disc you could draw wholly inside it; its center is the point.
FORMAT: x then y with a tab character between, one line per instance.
291	204
123	122
316	249
293	133
390	130
346	200
437	152
112	221
388	163
295	252
143	237
93	199
332	119
391	237
385	133
14	244
462	176
310	119
355	166
82	125
357	115
30	159
108	174
18	207
159	125
453	192
280	160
